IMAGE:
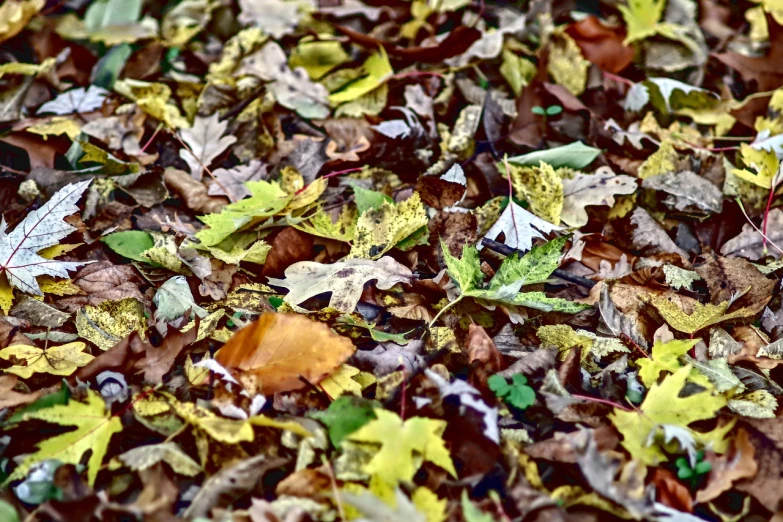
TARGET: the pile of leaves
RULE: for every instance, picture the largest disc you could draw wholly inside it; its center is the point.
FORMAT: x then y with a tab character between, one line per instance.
416	260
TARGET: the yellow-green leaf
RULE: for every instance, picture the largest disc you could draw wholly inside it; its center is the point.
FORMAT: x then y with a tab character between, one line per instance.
57	360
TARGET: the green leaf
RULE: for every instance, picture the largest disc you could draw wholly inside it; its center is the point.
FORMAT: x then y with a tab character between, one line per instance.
538	110
7	512
517	394
130	244
499	385
344	416
465	272
534	267
471	513
575	155
378	70
369	199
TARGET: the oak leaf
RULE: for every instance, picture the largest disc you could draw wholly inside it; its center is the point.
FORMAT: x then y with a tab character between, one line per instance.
345	280
282	352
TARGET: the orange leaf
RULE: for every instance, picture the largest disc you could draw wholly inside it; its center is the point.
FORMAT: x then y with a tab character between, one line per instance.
276	350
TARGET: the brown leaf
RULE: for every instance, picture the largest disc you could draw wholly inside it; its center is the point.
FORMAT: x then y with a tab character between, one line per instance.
457	42
123	357
767	484
729	277
288	247
765	70
278	351
9	397
193	192
158	361
602	45
671	491
750	244
736	464
103	281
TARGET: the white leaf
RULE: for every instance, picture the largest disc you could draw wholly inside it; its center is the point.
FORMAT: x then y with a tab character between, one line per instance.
519	227
206	141
592	189
277	18
233	180
393	129
344	280
41	228
76	100
455	175
638	96
174	298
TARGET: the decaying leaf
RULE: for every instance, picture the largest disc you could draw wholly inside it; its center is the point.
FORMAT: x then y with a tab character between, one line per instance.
205	141
597	189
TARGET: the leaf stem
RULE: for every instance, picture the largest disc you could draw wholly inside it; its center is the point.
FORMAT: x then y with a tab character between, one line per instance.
149	141
450	305
601	401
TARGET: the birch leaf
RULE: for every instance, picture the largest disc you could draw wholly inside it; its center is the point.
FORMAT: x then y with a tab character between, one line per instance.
206	142
41	228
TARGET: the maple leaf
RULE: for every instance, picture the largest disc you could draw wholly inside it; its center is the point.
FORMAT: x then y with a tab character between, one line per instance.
664	406
378	230
57	360
94	429
344	280
399	441
76	101
232	182
519	227
41	228
584	190
664	357
206	142
702	315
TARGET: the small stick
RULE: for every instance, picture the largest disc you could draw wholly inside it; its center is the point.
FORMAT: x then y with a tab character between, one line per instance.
506	250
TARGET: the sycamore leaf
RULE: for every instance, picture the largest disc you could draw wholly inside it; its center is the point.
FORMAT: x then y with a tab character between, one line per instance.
94	429
57	360
519	227
597	189
664	357
663	405
379	230
111	321
79	100
41	228
267	200
702	316
344	280
206	142
399	442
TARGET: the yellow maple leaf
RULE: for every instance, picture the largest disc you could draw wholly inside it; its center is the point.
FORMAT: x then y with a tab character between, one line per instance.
762	166
57	360
154	99
664	357
94	429
377	69
14	15
55	126
399	442
341	382
664	406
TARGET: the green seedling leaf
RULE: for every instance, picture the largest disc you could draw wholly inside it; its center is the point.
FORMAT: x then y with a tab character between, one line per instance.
344	416
517	394
575	155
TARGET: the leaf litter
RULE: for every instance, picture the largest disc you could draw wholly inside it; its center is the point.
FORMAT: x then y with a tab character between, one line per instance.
294	260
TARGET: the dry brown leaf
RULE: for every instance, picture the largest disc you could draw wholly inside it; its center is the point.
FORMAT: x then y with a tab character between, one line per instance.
193	192
10	398
283	352
103	281
288	247
737	464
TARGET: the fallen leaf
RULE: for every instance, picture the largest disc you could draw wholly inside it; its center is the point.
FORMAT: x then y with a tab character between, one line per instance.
283	352
56	360
519	227
205	141
585	190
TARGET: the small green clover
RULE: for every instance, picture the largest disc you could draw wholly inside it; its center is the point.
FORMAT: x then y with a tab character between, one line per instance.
517	394
552	110
693	474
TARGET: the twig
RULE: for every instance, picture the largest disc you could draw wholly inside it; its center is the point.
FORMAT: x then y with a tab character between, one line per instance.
600	401
506	250
13	171
149	141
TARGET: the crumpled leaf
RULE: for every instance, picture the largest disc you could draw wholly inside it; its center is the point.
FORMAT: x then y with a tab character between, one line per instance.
344	280
41	228
56	360
144	457
379	230
206	141
279	350
94	429
663	405
519	227
584	190
399	442
154	99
